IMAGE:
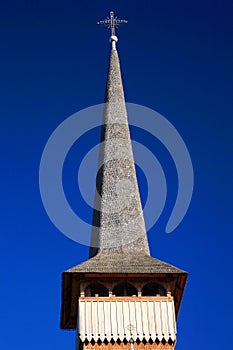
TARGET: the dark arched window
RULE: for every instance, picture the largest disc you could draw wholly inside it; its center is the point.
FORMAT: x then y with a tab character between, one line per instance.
124	289
96	288
152	289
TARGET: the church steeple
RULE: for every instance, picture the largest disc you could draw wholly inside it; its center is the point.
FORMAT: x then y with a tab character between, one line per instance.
118	223
120	295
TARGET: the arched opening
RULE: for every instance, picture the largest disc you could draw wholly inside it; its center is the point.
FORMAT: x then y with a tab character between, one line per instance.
96	288
152	289
124	289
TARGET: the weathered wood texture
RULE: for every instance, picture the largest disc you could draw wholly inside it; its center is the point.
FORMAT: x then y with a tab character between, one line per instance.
119	318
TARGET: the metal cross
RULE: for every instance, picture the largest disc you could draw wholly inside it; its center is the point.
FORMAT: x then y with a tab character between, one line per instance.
130	328
112	22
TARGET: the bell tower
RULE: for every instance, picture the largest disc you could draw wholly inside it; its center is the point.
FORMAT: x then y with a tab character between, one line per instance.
121	297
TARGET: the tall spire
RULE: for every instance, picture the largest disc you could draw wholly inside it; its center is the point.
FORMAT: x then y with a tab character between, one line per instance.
118	223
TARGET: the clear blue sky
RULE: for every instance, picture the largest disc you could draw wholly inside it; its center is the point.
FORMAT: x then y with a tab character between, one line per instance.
176	58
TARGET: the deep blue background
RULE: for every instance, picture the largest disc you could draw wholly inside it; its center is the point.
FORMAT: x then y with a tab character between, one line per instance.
176	58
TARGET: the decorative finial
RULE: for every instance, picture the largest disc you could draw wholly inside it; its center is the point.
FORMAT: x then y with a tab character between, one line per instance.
112	22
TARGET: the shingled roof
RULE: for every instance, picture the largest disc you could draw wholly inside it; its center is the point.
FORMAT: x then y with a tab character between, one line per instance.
118	230
118	222
126	263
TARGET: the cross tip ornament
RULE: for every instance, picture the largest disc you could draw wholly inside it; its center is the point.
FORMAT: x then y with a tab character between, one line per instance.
112	23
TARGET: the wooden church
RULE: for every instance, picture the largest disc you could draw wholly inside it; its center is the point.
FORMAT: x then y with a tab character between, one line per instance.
121	297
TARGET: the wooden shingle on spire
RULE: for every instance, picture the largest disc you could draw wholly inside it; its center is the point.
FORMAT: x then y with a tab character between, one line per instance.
118	222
